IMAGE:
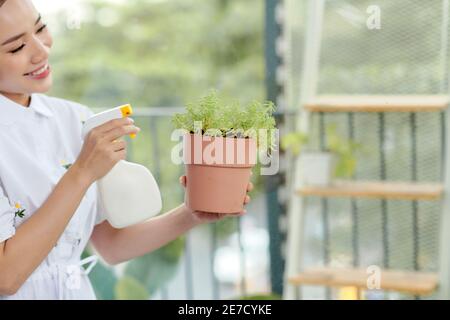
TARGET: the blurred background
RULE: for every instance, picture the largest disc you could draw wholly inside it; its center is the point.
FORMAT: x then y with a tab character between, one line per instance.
159	55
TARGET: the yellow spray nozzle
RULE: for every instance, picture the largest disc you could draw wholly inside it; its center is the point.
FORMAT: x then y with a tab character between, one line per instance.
126	112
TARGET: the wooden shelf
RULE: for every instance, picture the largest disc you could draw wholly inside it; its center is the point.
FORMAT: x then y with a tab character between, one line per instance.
380	190
377	103
418	283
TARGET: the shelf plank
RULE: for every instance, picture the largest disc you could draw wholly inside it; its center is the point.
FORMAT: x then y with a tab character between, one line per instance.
418	283
378	103
376	189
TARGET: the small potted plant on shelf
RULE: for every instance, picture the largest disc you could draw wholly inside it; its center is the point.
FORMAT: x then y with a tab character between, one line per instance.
337	160
220	145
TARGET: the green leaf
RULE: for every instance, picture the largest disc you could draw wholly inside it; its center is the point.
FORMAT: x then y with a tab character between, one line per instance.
67	166
20	213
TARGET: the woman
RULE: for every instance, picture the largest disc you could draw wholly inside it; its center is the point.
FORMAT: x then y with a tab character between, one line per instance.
48	209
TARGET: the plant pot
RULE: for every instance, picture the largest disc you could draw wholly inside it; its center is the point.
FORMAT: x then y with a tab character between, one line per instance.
317	168
217	172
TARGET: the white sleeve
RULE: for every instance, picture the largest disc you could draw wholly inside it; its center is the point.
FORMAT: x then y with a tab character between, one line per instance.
7	214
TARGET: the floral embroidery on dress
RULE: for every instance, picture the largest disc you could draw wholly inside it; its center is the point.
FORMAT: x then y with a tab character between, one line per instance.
65	165
19	211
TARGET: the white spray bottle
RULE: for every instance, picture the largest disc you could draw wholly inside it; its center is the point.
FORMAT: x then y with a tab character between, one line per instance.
129	192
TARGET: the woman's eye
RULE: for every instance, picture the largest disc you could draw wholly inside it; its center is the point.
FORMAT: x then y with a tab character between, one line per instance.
23	45
18	49
41	28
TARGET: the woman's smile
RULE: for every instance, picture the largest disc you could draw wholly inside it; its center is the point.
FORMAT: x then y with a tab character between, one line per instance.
40	73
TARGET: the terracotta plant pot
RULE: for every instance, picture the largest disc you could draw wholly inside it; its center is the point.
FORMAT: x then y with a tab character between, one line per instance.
217	172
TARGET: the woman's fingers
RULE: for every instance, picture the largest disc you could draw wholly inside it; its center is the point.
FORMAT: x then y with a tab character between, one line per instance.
217	215
249	187
238	214
183	181
247	199
121	131
119	145
112	124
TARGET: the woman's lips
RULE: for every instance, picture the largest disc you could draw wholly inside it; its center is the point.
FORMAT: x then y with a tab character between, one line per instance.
40	73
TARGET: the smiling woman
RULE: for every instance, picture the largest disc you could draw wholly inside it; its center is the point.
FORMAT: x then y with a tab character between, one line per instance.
49	212
24	50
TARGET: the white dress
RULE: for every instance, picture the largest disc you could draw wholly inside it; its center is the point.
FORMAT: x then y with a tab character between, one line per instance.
37	144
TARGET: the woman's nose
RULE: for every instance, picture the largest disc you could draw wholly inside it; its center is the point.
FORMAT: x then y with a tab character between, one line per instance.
41	51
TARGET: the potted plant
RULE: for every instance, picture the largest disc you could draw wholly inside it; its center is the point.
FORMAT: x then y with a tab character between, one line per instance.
319	168
219	150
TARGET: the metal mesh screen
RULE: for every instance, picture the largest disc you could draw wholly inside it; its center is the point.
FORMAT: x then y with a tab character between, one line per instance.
408	55
403	56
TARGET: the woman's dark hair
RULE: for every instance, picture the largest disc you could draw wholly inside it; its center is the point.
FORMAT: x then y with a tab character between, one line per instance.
2	2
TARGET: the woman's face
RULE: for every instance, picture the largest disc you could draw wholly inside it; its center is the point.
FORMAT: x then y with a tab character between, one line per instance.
25	44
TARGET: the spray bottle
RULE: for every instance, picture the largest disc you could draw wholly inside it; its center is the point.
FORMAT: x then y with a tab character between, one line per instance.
128	192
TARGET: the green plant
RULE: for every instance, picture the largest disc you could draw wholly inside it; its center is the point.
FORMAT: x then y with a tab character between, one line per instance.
219	119
294	142
345	150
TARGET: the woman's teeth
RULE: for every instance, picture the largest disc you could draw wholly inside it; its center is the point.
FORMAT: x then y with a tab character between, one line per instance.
39	72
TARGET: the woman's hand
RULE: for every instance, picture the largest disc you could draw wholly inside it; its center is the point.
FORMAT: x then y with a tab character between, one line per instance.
204	217
103	148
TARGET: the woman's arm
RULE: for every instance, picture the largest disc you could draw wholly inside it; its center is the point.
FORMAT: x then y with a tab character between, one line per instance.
119	245
36	237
